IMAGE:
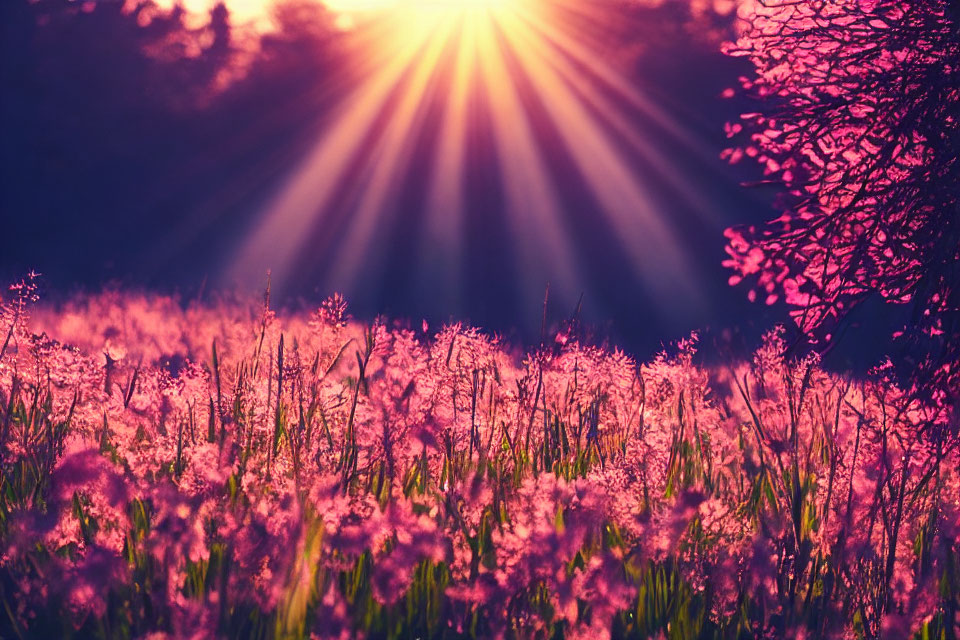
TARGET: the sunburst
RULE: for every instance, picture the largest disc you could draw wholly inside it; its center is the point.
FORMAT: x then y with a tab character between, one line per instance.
523	83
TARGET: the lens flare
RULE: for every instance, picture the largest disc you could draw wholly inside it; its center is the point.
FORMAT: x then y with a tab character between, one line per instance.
415	5
478	117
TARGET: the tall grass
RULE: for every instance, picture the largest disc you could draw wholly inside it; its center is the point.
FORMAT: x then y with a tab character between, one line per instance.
222	470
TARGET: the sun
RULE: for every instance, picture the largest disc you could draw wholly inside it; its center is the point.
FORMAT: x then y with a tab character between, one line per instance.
351	6
408	15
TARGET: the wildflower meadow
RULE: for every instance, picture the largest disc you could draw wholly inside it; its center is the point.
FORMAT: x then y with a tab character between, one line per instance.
221	469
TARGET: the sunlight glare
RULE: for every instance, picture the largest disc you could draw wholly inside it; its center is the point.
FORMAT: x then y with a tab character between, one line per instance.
414	5
511	97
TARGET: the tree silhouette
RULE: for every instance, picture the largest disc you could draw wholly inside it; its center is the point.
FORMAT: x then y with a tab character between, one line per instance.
859	120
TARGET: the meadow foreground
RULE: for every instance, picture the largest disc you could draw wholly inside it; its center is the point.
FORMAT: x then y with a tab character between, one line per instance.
224	470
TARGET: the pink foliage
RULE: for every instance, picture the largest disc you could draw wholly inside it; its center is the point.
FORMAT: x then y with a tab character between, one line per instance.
303	465
858	122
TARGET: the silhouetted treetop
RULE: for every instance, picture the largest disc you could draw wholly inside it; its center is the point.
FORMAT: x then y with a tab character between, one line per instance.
857	116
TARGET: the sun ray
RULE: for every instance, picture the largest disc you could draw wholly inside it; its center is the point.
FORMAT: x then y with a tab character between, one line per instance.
529	191
583	71
292	214
555	112
444	225
657	256
393	149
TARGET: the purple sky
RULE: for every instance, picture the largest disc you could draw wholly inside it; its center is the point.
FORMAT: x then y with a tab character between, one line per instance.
121	163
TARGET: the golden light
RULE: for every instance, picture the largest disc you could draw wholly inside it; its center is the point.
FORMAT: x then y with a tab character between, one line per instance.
416	5
524	85
407	17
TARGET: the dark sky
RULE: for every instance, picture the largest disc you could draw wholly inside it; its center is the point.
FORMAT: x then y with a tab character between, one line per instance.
120	164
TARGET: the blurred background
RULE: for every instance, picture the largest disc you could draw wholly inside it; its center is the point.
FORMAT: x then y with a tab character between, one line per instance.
426	170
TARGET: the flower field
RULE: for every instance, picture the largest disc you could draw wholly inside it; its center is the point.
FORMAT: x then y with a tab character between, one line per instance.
223	470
